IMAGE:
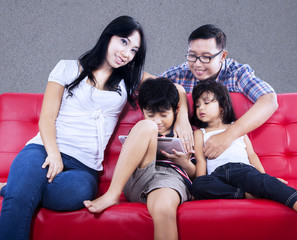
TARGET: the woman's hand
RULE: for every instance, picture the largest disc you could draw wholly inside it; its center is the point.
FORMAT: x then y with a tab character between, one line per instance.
50	108
55	166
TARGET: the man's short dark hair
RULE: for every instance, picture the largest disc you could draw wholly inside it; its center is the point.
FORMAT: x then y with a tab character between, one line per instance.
158	95
209	31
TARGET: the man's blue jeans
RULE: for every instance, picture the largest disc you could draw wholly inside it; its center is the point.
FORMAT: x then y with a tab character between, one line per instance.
28	188
232	180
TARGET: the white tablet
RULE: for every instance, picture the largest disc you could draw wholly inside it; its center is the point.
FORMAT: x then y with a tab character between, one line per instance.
164	144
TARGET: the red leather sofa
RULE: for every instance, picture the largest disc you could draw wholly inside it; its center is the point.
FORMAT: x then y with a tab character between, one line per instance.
275	142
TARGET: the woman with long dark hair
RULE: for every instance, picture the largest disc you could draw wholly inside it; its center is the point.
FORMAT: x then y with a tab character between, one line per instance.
58	168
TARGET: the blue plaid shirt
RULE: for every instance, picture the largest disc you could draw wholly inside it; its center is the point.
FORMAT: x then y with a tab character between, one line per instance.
235	76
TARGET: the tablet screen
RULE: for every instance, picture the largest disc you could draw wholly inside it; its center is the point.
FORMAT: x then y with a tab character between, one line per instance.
164	143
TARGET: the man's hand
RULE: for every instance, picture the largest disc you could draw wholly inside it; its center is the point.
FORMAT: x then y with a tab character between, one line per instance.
182	127
185	133
216	145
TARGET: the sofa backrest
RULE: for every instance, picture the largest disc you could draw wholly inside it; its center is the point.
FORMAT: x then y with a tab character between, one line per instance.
275	142
19	115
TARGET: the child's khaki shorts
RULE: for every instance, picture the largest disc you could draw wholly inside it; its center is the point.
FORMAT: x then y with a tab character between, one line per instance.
152	177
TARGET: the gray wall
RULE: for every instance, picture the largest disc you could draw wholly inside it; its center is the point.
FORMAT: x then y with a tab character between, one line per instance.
36	34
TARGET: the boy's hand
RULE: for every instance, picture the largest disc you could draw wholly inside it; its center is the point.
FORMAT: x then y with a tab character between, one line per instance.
183	160
179	158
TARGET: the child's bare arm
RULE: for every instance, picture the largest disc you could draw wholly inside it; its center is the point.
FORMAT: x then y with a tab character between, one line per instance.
199	154
253	158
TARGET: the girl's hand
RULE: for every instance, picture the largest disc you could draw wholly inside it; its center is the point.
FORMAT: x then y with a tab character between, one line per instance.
55	166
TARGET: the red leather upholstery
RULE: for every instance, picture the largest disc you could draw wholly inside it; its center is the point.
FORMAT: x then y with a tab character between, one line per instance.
274	142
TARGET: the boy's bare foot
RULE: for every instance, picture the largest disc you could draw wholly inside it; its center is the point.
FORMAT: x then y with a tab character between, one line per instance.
101	203
2	185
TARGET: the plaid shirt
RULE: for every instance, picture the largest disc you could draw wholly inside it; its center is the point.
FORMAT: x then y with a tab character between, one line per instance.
235	76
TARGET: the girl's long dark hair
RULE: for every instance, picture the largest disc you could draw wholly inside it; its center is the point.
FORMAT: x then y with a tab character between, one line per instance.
90	61
221	94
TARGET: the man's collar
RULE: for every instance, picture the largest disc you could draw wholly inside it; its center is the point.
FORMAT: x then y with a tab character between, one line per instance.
221	71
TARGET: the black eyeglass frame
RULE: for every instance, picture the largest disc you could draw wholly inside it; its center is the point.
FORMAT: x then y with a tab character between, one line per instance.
199	57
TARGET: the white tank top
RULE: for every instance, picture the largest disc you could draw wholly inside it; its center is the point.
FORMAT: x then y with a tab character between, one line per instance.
236	153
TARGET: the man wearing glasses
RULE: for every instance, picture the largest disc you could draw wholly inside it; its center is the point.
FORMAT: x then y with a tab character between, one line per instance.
206	61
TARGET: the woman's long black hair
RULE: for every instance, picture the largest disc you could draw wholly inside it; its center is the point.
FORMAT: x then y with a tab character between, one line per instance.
90	61
221	94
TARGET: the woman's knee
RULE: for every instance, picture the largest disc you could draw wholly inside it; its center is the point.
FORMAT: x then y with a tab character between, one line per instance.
21	200
65	200
67	193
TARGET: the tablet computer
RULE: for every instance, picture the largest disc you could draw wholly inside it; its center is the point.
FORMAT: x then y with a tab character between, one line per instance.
164	144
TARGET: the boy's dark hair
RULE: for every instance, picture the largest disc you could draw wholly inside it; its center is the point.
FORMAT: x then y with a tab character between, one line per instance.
221	94
209	31
158	95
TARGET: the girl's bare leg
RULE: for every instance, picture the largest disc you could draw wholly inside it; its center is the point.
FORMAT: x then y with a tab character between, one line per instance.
162	204
139	150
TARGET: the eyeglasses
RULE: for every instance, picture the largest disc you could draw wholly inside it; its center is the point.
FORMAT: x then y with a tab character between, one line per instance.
203	59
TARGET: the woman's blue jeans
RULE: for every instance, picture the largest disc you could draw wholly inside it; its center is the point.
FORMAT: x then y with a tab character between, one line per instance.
28	188
232	180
